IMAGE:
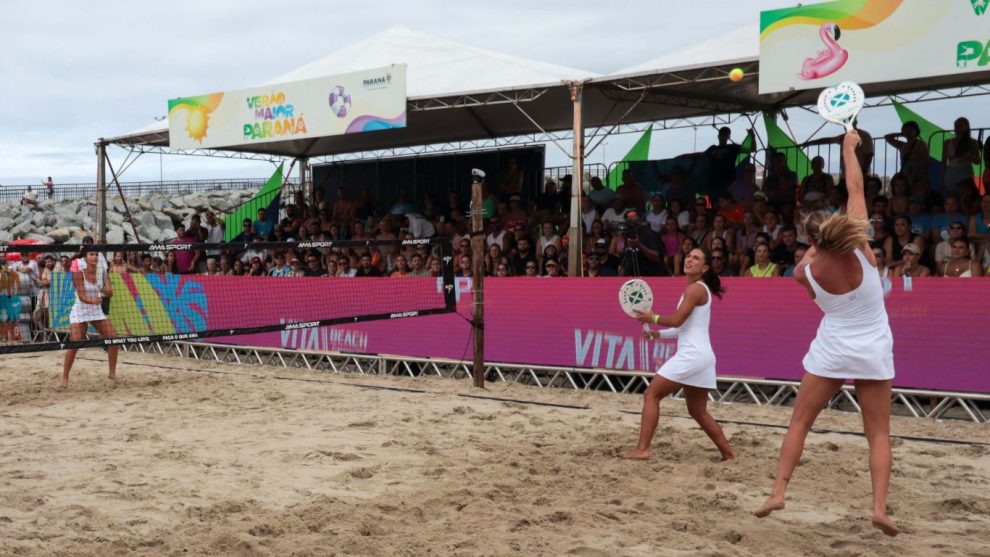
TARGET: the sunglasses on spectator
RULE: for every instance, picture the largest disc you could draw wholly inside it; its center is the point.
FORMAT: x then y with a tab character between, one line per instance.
551	265
530	267
717	258
955	228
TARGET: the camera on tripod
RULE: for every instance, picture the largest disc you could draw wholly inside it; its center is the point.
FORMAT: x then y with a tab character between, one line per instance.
627	230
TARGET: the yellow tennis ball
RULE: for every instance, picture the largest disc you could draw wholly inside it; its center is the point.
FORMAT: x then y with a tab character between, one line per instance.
736	74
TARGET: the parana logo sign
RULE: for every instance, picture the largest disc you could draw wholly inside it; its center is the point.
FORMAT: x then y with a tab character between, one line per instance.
379	82
968	52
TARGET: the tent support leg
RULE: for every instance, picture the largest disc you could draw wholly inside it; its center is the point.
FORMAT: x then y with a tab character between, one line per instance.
574	251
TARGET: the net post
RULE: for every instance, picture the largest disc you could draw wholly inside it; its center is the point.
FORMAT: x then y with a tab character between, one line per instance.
101	190
447	269
478	272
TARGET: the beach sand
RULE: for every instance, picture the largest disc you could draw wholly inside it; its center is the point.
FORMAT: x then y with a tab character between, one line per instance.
193	458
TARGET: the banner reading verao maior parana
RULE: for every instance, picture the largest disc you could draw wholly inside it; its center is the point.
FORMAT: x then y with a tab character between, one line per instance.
356	102
871	41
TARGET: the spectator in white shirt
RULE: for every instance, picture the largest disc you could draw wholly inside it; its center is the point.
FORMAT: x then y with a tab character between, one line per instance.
658	213
417	225
616	214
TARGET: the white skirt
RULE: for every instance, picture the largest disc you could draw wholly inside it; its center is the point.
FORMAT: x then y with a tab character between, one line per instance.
691	367
86	313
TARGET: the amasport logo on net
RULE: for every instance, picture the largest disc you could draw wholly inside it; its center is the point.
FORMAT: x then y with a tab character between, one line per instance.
380	82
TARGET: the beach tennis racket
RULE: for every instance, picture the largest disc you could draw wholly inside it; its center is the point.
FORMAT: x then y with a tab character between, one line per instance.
841	103
635	296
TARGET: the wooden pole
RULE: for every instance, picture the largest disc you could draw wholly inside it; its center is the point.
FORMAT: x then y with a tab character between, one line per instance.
478	272
574	233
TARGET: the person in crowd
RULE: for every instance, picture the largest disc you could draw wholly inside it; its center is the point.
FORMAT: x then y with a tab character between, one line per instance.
401	268
92	285
913	150
720	230
746	240
903	234
959	154
699	230
615	215
343	207
257	268
880	253
961	263
631	191
784	254
416	266
511	181
943	251
313	266
744	187
530	270
780	184
692	369
262	225
979	224
594	268
170	265
722	159
464	267
588	213
680	256
549	237
118	265
367	269
731	211
600	195
10	302
30	199
552	268
864	152
212	267
671	239
815	185
522	256
969	197
502	270
49	186
657	214
773	227
597	233
941	222
720	263
762	267
798	255
281	267
854	341
642	253
48	270
517	216
878	226
492	258
911	263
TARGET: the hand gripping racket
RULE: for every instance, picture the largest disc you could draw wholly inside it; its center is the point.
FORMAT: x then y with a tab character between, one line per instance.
841	103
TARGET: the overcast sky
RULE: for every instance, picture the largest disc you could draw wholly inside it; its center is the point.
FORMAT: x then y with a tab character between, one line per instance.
71	72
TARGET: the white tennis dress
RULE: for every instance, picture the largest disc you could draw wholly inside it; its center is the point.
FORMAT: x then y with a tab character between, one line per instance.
854	339
85	313
694	362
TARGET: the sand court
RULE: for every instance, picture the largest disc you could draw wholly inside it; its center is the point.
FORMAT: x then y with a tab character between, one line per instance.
212	459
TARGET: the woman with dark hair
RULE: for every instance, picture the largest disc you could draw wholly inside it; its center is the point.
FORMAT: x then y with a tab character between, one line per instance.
91	285
913	150
902	236
959	154
960	265
680	258
854	341
693	366
171	264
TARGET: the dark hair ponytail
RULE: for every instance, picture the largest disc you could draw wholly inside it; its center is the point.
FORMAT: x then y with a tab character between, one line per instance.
710	277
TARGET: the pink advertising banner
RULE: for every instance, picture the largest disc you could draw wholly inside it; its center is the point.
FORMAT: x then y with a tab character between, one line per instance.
760	329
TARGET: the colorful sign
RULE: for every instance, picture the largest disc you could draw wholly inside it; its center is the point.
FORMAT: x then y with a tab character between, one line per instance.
760	329
870	41
349	103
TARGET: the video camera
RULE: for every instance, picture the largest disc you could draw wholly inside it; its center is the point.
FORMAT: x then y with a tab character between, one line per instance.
627	230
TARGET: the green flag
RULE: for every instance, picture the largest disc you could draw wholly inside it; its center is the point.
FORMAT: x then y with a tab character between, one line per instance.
797	160
268	198
639	152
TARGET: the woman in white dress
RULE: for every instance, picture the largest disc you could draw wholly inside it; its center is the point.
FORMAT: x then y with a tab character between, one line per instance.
91	283
693	366
853	342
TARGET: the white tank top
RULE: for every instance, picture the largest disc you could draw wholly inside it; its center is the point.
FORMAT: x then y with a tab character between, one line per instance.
693	333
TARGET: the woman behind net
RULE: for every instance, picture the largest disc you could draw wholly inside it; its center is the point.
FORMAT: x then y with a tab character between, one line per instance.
853	341
693	366
91	283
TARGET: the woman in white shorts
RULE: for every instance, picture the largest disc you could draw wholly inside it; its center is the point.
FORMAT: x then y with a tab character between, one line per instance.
91	284
693	366
853	342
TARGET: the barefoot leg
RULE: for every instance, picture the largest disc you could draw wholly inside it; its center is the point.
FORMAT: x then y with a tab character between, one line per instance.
659	388
697	404
76	332
106	331
874	400
813	394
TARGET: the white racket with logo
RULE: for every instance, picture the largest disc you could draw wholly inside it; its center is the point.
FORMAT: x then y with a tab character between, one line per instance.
635	295
841	103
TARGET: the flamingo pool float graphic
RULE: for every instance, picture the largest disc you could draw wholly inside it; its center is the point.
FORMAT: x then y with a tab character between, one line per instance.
829	59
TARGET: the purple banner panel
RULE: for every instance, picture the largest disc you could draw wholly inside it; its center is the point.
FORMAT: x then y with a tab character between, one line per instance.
760	329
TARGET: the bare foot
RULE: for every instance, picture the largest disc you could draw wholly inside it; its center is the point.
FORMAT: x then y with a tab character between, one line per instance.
728	455
61	386
636	454
885	524
112	377
770	506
